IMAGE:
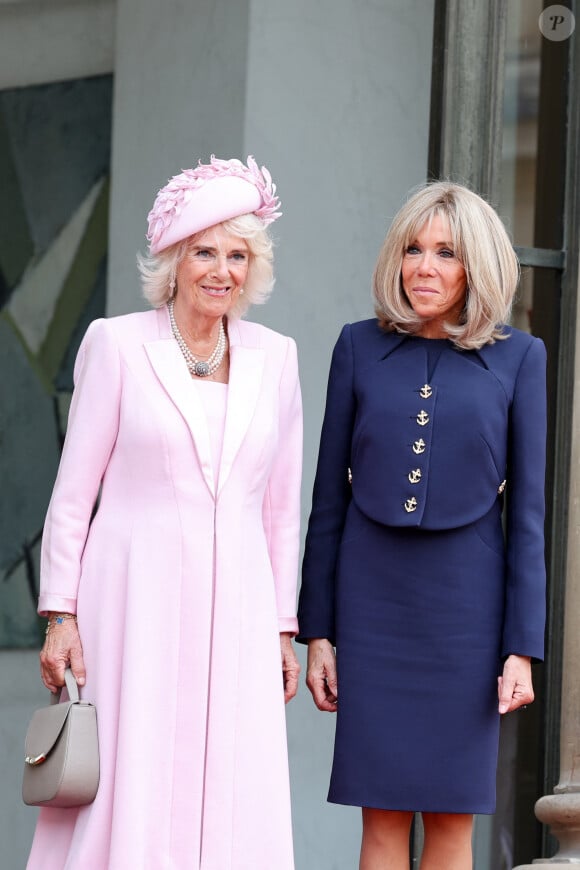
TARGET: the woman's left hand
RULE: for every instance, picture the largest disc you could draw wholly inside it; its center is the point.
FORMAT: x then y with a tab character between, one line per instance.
514	687
290	666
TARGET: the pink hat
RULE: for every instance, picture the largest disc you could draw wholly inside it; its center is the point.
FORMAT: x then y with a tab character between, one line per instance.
207	195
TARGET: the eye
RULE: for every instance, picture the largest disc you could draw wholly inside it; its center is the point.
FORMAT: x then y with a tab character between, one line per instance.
445	252
239	257
412	249
202	254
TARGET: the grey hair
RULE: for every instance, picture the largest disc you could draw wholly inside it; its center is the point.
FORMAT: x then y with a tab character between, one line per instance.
482	246
158	271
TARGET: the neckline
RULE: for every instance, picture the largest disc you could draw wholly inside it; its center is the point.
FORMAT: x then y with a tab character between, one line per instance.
429	340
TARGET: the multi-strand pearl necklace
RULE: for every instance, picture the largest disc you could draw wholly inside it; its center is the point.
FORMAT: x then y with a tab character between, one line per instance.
198	367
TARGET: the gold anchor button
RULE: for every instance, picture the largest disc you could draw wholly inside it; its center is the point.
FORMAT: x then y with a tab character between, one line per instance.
426	391
415	475
419	446
411	505
501	487
422	418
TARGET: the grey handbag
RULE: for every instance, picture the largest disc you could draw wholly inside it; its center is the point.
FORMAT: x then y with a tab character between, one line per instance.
61	767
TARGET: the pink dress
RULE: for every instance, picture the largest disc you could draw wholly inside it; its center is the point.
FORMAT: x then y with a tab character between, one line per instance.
214	397
181	582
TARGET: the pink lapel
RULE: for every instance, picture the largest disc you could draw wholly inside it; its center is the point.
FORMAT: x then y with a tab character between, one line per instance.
246	371
169	366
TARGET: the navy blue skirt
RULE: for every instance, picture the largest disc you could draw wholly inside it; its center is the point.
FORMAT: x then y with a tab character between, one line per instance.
418	632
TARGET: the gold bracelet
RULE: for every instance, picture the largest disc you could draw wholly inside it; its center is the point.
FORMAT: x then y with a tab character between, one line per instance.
58	619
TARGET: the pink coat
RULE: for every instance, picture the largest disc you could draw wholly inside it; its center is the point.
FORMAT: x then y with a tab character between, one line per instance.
181	584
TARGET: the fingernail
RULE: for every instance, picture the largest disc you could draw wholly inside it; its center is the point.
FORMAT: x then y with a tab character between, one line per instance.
503	708
81	681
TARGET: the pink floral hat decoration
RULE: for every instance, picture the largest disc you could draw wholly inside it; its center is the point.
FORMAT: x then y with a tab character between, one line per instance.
213	192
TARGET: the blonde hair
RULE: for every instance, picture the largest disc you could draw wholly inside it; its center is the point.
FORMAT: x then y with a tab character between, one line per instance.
158	271
480	243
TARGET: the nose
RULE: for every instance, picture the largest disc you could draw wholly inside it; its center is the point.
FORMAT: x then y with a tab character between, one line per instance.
426	263
220	266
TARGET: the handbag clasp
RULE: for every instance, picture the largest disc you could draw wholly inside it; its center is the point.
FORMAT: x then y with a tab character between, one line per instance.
33	762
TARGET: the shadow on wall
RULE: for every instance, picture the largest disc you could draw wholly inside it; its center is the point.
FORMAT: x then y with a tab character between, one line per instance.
54	174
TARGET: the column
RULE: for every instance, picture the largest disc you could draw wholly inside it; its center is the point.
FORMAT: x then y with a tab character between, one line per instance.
466	115
180	94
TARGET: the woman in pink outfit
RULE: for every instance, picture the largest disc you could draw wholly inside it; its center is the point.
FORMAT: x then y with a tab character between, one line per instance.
174	602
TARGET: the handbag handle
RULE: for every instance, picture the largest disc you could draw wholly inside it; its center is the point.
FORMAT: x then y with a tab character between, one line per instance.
71	687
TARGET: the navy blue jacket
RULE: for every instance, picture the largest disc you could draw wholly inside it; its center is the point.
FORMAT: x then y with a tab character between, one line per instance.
433	457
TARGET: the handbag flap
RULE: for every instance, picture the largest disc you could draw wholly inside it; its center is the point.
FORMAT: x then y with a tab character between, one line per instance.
45	726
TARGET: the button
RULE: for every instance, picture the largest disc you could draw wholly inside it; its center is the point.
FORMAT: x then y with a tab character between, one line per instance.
426	391
415	475
419	446
422	418
349	475
501	487
411	505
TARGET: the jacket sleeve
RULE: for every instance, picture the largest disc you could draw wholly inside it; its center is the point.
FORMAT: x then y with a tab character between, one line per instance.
330	499
281	509
525	604
91	433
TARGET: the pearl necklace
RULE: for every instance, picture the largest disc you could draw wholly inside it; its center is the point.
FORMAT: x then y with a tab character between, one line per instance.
198	367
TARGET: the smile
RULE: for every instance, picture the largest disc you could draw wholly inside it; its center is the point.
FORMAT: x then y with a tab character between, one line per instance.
216	291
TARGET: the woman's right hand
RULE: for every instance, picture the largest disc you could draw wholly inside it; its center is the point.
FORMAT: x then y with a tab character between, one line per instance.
61	648
321	674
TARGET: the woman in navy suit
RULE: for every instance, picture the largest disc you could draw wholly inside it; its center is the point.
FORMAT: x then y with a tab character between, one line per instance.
434	408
